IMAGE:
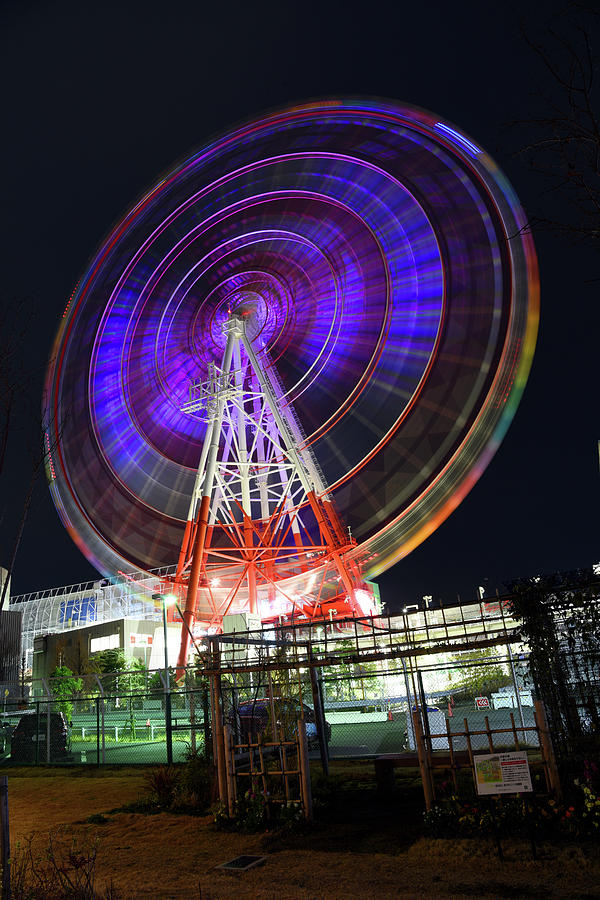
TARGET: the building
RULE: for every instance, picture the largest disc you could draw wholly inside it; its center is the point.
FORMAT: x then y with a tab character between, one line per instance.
66	609
76	648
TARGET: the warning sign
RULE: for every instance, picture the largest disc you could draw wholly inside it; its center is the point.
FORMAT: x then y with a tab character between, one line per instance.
502	773
482	703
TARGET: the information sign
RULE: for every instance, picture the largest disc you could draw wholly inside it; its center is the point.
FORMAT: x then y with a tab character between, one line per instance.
142	640
502	773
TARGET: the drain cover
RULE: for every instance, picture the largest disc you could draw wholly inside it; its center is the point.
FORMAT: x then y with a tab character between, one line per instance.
241	863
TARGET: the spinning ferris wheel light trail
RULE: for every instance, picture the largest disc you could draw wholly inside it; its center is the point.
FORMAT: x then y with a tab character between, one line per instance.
387	291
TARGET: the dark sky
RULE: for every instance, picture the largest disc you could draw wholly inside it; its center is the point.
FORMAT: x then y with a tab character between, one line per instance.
99	99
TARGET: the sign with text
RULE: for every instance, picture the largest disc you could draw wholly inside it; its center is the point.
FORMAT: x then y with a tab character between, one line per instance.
141	640
502	773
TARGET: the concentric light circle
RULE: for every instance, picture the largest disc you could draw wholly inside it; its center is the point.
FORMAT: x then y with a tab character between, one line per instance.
393	292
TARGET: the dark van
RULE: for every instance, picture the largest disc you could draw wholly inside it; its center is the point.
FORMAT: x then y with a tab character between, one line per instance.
29	741
254	719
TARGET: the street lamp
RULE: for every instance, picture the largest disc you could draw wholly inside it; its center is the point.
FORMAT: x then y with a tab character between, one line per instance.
167	600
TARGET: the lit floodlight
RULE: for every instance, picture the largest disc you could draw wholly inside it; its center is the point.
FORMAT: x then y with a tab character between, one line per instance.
165	599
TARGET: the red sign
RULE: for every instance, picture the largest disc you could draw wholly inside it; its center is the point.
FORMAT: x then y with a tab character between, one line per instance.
482	703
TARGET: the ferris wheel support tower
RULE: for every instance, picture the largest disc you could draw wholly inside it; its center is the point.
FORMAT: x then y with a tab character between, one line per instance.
260	516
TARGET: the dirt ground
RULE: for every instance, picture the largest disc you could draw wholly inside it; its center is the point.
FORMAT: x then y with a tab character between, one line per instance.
174	856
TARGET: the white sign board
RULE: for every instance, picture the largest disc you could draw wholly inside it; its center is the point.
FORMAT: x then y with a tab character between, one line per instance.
502	773
140	640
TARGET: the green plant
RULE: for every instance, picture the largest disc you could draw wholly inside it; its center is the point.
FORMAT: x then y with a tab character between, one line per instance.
63	685
351	679
590	813
513	815
221	817
252	810
250	814
479	673
196	779
291	815
163	783
440	821
560	625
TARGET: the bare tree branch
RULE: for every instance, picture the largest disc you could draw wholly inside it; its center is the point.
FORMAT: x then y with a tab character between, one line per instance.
565	147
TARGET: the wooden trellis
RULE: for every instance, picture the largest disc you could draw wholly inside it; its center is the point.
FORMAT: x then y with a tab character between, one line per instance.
456	759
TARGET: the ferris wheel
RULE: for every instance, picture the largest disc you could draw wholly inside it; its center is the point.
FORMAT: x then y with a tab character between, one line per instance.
306	341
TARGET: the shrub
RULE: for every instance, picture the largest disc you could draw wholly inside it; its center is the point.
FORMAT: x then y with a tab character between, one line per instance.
64	870
163	783
516	815
195	785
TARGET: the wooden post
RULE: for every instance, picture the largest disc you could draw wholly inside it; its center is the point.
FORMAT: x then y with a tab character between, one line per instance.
221	763
4	838
261	758
304	770
547	748
423	760
229	769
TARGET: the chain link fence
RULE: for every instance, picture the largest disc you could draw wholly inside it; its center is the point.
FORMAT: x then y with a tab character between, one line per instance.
365	707
111	729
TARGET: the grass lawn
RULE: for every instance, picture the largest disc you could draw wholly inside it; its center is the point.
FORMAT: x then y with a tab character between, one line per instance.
364	846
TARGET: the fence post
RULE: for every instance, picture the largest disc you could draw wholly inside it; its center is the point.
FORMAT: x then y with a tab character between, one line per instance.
206	724
217	723
97	703
5	838
547	748
408	701
319	717
102	707
37	731
489	734
304	769
516	686
423	760
424	711
48	732
452	761
192	699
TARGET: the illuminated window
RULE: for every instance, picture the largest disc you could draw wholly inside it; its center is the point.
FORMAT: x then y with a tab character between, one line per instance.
108	642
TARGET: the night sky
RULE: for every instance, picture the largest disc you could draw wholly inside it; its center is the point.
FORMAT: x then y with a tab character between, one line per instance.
99	100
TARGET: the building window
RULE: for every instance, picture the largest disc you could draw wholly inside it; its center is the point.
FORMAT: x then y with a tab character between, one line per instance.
108	642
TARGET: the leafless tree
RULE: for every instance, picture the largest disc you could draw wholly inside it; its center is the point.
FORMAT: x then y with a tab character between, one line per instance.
563	143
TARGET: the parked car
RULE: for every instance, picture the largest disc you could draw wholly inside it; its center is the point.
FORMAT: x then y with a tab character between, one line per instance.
254	717
32	731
